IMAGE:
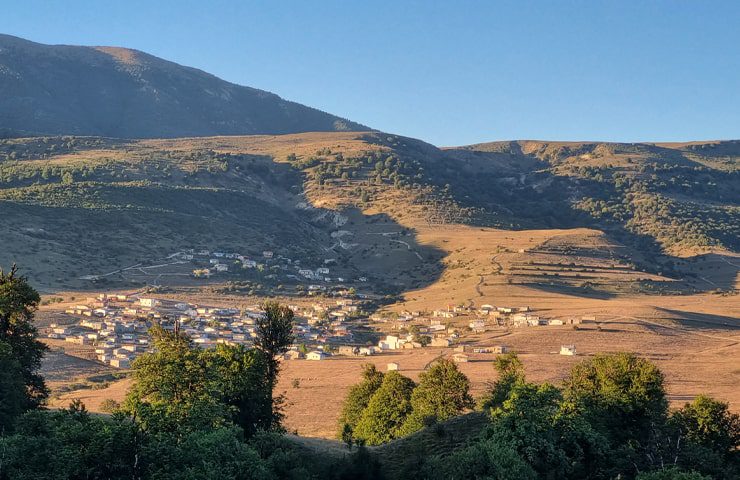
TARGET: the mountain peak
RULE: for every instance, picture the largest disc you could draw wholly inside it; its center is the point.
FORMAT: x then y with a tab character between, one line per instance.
121	92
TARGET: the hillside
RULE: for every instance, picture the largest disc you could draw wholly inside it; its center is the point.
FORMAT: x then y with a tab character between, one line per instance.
119	92
395	210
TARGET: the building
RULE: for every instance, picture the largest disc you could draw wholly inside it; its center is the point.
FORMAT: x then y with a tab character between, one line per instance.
348	350
390	343
315	355
393	366
120	362
567	350
499	349
293	355
148	302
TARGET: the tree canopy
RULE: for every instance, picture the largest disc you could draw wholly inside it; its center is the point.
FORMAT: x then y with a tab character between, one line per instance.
22	387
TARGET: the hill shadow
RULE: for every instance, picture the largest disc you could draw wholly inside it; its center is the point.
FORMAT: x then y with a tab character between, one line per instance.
702	320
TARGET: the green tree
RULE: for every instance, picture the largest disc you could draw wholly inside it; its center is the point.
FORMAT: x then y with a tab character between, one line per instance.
239	375
710	424
510	373
554	443
707	438
274	335
387	410
672	473
174	388
489	459
12	388
443	392
359	396
18	302
623	395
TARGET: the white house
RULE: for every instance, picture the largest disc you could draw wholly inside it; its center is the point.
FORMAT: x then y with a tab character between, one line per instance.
391	342
567	350
393	366
315	355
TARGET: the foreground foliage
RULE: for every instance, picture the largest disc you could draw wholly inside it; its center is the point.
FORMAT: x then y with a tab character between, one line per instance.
210	414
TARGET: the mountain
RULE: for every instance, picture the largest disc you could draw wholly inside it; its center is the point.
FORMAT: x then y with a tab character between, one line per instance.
400	212
124	93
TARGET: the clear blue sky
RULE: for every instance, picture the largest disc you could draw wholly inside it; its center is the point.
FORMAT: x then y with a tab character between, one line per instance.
451	73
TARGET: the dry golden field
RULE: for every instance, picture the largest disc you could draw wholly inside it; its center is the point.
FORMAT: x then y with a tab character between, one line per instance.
694	339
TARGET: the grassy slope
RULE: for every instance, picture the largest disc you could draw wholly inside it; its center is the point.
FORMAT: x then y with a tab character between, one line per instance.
143	199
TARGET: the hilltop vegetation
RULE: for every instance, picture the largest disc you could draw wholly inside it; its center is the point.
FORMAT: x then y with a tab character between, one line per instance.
282	192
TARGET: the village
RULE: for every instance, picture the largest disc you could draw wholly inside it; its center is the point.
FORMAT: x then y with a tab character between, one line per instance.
116	325
205	264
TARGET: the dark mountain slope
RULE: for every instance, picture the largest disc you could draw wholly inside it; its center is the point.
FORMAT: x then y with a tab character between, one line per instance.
118	92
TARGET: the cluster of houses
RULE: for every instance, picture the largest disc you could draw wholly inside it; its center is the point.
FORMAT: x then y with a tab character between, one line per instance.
484	317
210	263
117	325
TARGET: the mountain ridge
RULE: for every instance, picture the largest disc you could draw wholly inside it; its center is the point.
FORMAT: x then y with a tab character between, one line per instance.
126	93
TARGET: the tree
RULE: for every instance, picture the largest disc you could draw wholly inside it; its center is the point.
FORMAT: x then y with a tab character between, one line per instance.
274	335
671	474
387	410
240	378
510	373
174	390
18	302
710	424
623	395
488	459
12	388
708	438
180	388
358	397
442	393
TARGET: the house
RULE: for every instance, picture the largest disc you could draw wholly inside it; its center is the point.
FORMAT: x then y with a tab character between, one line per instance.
460	358
293	355
567	350
304	272
390	343
120	362
555	321
499	349
393	366
222	267
268	254
348	350
315	355
149	302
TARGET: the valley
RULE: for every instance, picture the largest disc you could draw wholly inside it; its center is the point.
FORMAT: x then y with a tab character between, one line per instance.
398	221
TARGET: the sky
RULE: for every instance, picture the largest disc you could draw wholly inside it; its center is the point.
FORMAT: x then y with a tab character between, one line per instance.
451	73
